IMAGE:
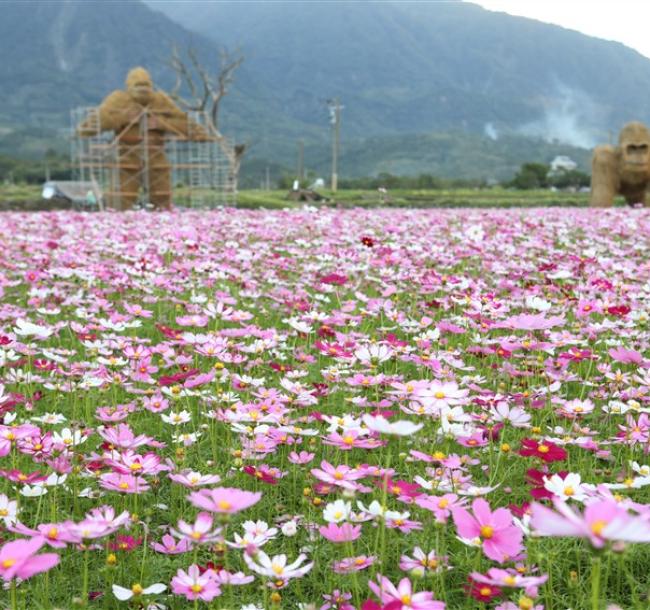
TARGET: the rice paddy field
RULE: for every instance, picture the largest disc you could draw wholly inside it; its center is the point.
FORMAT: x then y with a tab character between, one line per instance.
318	408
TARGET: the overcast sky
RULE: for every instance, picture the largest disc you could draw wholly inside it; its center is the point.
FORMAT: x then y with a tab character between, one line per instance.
626	21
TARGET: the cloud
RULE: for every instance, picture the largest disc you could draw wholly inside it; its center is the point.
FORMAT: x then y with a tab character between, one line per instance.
570	116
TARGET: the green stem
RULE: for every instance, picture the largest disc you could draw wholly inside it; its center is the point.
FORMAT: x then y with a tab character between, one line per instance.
14	603
595	584
84	592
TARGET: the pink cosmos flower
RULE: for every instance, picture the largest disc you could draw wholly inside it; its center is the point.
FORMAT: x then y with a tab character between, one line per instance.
341	476
500	538
18	559
627	356
601	522
510	578
304	457
198	532
53	534
123	483
354	564
388	593
122	436
225	500
340	533
133	463
440	506
169	546
192	479
194	585
531	322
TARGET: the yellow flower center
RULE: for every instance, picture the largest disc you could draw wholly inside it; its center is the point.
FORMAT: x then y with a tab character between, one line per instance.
224	504
3	512
135	466
510	580
569	491
196	535
597	527
443	503
123	485
338	476
406	599
525	603
487	531
277	568
137	589
485	591
439	395
53	533
348	440
7	563
543	448
196	588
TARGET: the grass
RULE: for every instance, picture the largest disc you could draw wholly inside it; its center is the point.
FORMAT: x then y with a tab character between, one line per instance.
277	199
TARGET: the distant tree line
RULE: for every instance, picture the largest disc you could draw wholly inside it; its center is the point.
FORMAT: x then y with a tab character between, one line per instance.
35	171
529	176
390	181
539	176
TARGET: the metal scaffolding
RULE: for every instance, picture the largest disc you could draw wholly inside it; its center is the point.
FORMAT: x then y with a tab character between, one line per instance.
201	175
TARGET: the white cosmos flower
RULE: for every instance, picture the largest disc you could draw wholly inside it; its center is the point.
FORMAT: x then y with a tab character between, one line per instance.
27	329
136	590
55	479
32	491
290	528
399	428
537	303
375	509
643	470
300	326
338	511
515	415
8	510
175	419
276	567
569	488
374	352
68	437
49	418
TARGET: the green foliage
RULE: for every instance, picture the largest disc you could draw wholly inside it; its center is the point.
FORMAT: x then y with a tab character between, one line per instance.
27	171
570	179
531	176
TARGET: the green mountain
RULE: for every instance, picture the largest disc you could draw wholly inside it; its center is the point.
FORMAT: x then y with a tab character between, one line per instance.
419	67
445	88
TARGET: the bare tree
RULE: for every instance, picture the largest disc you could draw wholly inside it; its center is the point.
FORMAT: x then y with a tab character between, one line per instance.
206	91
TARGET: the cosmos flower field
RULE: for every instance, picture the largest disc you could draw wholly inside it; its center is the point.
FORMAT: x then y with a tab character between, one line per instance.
360	409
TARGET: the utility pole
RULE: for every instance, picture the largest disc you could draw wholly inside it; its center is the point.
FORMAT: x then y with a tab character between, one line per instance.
268	178
301	160
335	119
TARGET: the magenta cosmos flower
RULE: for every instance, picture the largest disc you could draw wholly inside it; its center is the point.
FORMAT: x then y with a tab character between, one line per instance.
500	537
226	500
18	559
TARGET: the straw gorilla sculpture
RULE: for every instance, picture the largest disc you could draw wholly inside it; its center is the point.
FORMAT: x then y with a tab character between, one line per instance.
623	169
123	112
